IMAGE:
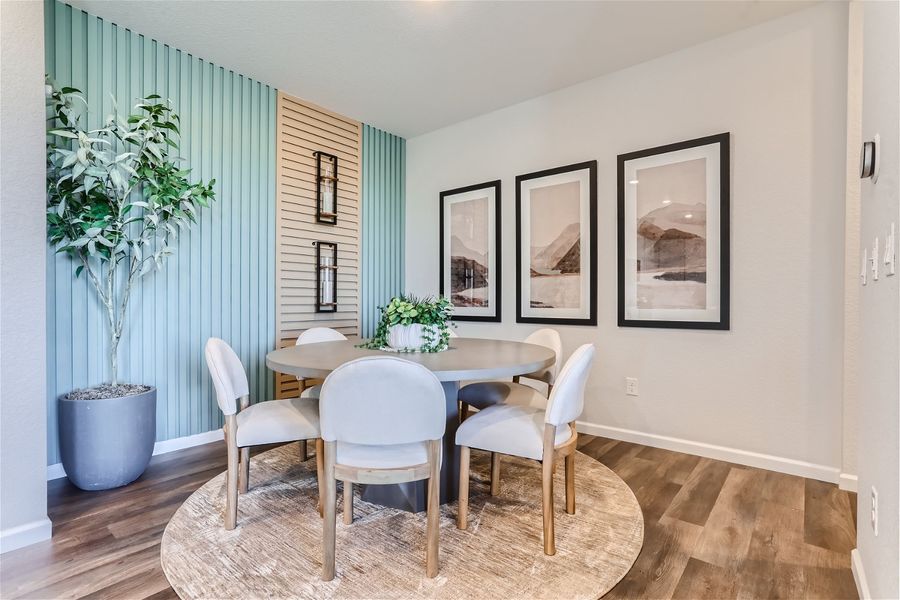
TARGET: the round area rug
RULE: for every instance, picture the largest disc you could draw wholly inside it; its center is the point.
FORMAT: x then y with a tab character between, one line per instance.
276	549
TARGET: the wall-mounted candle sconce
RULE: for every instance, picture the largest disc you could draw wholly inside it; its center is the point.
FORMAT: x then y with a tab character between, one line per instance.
326	276
326	187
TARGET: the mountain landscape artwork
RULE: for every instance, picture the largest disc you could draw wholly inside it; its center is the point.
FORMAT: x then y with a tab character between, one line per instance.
671	250
674	232
555	267
469	258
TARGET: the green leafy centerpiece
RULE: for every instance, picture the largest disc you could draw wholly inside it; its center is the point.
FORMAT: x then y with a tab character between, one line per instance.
410	324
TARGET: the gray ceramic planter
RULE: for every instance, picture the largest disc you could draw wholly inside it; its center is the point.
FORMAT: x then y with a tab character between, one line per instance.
107	443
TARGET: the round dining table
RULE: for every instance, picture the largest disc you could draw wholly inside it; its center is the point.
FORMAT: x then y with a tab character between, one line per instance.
465	359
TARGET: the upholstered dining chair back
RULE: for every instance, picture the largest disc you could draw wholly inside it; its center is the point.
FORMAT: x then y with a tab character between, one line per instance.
228	375
314	335
548	338
567	398
382	400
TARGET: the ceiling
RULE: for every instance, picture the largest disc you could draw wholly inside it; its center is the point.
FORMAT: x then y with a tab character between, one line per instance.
412	67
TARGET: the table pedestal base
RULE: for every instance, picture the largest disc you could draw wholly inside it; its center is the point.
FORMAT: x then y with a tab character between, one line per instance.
412	496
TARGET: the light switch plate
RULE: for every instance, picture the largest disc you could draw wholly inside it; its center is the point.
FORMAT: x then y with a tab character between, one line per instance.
874	260
890	244
864	272
875	511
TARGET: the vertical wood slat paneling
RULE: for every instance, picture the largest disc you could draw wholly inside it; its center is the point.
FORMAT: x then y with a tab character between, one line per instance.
219	282
301	129
383	222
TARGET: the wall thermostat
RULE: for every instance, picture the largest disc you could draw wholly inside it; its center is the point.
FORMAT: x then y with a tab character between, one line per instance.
869	159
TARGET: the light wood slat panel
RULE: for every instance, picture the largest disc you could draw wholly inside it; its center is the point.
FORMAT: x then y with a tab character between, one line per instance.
295	286
301	129
296	326
301	121
344	199
328	121
303	151
300	185
303	256
299	177
311	130
300	174
336	144
341	237
300	105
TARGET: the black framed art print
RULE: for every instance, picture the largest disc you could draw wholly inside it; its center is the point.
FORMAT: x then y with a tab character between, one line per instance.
556	245
673	235
470	251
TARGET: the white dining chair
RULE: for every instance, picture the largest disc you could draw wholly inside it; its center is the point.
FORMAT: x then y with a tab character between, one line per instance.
246	424
530	432
382	422
481	394
309	387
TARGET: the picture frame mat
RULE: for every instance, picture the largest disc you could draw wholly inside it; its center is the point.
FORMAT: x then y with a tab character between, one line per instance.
712	152
583	177
490	190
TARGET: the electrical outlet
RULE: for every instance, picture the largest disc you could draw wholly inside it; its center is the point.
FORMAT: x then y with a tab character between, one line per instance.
875	510
631	386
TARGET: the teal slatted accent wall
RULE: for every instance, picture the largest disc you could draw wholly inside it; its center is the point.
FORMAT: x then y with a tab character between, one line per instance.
383	222
220	281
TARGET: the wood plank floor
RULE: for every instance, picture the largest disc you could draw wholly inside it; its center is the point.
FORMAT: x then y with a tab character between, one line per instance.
712	530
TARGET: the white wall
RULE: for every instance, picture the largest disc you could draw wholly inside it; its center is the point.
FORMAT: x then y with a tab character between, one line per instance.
23	412
771	385
878	452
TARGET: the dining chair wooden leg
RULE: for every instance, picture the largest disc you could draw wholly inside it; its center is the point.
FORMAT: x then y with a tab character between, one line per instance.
463	507
244	475
433	528
547	490
304	451
547	507
495	473
570	484
329	525
320	474
231	475
463	412
348	502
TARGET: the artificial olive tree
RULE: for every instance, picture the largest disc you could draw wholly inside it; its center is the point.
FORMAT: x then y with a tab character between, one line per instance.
116	198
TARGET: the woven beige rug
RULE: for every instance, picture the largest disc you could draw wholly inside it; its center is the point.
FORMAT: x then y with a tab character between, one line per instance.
275	551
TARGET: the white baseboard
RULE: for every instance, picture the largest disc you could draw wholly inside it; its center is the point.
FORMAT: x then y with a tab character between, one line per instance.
14	538
188	441
859	575
847	482
735	455
56	471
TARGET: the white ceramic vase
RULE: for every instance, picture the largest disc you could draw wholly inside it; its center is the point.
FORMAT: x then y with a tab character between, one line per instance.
410	337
